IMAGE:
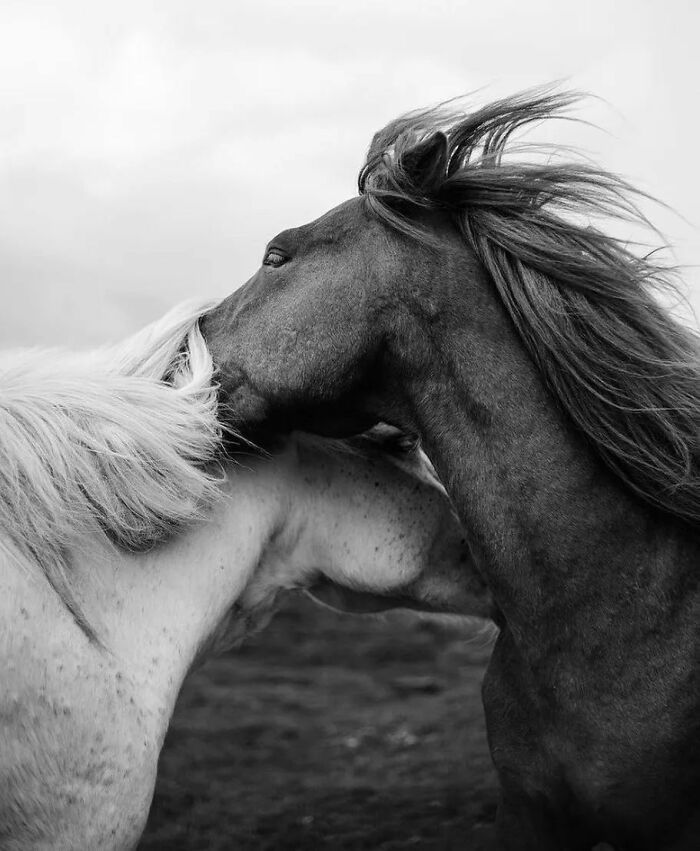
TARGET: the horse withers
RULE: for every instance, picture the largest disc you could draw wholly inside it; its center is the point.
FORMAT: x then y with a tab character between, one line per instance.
468	296
129	550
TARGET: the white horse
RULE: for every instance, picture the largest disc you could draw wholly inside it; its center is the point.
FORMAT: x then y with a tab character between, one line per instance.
128	552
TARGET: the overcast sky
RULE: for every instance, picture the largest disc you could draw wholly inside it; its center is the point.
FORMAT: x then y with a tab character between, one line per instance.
148	150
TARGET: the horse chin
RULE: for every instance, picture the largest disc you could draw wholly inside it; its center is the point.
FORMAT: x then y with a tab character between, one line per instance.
342	599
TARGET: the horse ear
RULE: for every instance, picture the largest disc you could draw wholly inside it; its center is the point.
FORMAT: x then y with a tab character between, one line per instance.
425	163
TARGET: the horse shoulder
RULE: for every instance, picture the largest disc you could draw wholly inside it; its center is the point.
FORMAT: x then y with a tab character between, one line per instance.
78	751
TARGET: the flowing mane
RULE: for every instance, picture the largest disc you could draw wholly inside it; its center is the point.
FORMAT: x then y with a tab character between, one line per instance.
619	365
117	443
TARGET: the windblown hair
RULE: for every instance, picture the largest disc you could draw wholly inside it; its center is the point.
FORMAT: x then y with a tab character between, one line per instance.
118	443
583	303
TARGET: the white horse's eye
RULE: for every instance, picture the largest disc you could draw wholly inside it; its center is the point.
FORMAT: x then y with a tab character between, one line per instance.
274	257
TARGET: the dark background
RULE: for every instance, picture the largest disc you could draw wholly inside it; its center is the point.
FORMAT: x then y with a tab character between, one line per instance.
330	731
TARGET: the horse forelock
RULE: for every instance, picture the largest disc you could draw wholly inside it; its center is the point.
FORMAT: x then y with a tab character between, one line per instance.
623	369
116	445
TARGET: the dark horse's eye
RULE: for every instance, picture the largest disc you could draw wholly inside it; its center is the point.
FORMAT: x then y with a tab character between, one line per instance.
274	257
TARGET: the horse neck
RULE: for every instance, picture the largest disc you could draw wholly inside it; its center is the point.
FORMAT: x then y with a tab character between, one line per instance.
91	718
161	611
547	520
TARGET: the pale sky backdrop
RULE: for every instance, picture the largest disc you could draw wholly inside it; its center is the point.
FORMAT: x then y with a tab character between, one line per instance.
148	150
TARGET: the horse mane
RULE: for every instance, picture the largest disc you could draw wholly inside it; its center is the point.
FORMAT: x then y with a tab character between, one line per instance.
583	303
117	443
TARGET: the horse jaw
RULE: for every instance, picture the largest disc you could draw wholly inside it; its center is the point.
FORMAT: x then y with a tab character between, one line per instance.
342	599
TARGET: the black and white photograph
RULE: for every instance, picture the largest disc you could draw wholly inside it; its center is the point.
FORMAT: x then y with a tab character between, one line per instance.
349	425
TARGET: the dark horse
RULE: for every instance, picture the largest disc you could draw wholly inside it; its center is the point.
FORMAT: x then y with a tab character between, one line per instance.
467	297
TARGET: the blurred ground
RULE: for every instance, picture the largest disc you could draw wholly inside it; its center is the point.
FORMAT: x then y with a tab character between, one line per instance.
330	731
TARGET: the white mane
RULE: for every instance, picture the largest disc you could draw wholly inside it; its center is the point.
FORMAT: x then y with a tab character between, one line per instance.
118	442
